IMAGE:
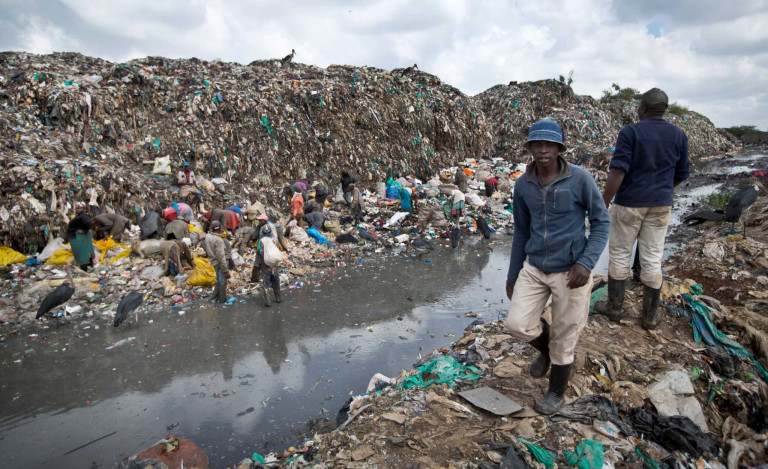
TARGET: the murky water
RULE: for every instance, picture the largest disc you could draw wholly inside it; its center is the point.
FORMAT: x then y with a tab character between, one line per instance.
239	379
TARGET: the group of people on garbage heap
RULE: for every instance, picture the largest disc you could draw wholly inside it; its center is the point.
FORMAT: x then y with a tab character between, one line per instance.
217	230
551	254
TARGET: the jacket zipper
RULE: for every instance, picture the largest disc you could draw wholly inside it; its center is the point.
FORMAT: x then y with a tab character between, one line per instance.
546	251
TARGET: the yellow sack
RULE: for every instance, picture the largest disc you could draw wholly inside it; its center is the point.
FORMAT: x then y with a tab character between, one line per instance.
61	257
8	256
105	245
124	253
193	228
203	275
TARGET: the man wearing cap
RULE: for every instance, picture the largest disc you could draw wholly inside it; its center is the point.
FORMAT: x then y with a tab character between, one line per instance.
216	250
551	200
650	160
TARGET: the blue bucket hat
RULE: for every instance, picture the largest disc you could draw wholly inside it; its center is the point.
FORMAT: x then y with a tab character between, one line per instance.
546	130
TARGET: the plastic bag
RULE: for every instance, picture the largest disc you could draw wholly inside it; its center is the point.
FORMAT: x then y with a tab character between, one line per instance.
317	236
162	165
106	245
124	253
441	370
204	273
272	256
57	244
333	226
8	256
297	233
61	257
588	455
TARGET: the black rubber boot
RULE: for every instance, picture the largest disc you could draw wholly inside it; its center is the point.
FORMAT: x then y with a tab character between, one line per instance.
278	294
540	366
651	312
613	306
555	397
267	300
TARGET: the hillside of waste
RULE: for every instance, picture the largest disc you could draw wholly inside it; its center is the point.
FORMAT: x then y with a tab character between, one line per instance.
80	128
591	126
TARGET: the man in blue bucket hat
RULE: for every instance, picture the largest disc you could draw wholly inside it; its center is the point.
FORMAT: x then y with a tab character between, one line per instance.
551	255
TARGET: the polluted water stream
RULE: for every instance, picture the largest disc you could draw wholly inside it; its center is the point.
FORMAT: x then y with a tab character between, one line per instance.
238	379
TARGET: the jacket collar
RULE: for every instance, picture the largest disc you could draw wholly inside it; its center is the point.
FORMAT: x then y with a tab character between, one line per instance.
563	172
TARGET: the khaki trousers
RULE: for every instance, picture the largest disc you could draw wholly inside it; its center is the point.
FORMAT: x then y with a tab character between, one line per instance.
570	308
647	225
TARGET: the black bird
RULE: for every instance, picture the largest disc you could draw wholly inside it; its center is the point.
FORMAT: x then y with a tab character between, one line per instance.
410	69
733	209
128	304
58	297
455	237
288	58
482	226
421	247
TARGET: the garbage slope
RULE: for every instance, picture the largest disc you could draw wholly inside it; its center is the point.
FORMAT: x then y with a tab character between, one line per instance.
70	123
591	126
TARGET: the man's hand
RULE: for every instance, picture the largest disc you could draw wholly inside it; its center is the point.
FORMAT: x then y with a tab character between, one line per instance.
577	277
510	289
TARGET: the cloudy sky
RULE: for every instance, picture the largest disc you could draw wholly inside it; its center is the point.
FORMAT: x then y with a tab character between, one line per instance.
709	55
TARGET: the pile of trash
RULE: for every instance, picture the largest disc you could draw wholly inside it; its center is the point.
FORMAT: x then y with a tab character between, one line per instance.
590	126
80	128
387	227
636	399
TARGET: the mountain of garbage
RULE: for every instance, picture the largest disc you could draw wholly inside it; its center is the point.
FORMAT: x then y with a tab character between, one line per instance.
591	126
80	128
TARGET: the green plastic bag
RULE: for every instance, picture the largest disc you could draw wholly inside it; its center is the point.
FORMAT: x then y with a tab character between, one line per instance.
588	455
597	295
543	456
441	370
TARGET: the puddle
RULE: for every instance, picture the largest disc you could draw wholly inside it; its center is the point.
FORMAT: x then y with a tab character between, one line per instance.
236	379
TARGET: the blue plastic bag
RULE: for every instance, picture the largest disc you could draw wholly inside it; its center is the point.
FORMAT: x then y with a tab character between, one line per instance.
317	236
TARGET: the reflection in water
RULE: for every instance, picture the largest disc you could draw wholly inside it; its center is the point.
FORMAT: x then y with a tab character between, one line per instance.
275	349
238	378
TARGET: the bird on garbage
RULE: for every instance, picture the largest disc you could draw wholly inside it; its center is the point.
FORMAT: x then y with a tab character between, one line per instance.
288	58
57	297
482	226
421	247
410	70
455	236
130	303
739	201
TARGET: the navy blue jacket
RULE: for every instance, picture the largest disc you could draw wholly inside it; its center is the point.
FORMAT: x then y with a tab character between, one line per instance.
550	226
654	155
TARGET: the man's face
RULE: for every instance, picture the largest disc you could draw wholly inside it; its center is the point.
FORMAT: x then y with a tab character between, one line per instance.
253	198
186	169
544	153
79	210
262	222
